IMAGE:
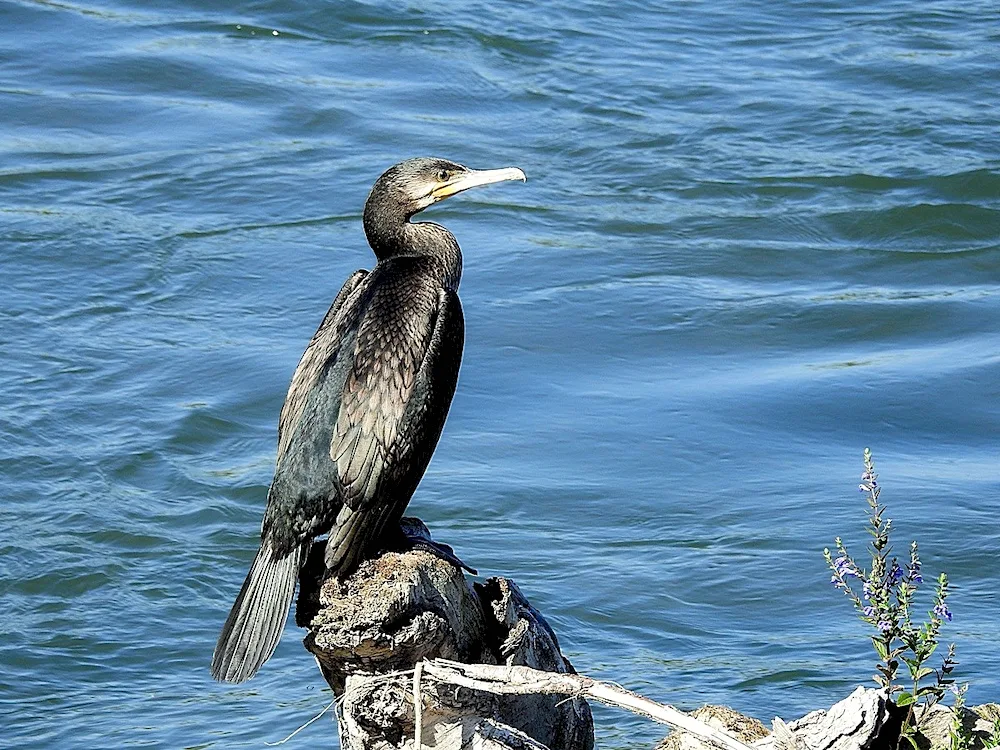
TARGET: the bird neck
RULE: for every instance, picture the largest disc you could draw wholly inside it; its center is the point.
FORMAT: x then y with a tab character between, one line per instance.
422	239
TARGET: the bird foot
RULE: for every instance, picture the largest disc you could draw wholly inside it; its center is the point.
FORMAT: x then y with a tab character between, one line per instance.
413	534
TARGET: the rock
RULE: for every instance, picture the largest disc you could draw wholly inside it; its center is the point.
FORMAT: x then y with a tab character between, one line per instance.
853	723
862	721
935	728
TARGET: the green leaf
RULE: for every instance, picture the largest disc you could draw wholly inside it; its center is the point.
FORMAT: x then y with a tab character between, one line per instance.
880	649
923	673
905	699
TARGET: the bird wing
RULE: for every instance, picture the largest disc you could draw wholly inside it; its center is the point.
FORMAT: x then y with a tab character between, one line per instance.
416	433
355	416
390	349
320	354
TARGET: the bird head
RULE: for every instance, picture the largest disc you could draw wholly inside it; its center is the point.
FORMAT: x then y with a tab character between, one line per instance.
411	186
415	184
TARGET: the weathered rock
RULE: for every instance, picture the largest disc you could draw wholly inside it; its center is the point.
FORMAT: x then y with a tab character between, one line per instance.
403	607
936	727
862	721
853	723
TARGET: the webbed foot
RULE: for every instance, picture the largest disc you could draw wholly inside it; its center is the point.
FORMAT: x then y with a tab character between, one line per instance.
414	534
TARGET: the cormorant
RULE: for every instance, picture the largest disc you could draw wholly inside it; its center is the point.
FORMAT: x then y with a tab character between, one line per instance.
365	407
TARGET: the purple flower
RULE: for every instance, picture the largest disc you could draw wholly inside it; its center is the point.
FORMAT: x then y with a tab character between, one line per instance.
870	479
895	574
869	611
846	568
942	611
885	626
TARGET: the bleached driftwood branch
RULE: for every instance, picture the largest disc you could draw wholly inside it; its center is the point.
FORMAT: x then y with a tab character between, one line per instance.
519	680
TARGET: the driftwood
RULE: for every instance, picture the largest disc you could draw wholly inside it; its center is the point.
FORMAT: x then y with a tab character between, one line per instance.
419	657
369	631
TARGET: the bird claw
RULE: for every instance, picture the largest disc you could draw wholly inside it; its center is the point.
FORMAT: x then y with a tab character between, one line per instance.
416	535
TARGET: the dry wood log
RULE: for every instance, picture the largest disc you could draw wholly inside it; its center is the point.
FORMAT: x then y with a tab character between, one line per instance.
404	606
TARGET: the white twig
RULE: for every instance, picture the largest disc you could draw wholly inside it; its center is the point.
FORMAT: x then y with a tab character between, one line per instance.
524	680
418	707
338	712
330	705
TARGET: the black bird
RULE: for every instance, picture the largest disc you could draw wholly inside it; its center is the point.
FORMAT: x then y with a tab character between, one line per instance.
365	407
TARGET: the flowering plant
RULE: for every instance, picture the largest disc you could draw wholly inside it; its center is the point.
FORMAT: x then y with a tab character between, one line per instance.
886	603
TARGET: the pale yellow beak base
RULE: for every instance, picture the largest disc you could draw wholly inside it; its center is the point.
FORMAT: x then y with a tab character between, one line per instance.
477	178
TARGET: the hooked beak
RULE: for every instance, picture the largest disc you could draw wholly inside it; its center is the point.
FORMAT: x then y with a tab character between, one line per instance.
475	178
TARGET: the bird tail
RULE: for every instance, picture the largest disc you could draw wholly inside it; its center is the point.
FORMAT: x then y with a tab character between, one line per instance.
256	620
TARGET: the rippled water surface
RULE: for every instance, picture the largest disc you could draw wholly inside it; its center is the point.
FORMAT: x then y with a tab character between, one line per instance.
755	238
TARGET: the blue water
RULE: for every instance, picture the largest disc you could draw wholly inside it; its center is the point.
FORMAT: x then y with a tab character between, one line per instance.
755	238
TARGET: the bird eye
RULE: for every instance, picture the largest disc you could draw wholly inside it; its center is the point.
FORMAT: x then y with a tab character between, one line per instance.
442	175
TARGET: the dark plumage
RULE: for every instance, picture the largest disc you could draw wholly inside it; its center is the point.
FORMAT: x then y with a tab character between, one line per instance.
365	407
